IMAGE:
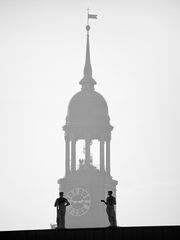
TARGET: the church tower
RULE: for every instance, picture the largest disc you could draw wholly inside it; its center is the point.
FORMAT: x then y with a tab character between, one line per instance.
85	184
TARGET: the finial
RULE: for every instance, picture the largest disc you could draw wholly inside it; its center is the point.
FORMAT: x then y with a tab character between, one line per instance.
94	16
87	28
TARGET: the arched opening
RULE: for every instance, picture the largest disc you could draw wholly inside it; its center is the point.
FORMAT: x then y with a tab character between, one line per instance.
95	153
80	152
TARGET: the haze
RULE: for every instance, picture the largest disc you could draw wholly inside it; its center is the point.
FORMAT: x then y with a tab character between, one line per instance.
135	56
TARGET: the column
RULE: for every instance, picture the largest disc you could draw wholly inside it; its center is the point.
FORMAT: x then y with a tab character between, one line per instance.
73	155
101	155
108	156
87	151
67	170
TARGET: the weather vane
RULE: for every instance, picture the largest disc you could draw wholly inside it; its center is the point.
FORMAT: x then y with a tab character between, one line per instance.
92	16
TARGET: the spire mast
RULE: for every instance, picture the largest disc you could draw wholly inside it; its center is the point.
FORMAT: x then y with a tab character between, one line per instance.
88	16
88	82
92	16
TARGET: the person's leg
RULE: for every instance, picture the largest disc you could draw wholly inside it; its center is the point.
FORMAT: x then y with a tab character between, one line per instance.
57	219
63	218
113	217
108	213
113	221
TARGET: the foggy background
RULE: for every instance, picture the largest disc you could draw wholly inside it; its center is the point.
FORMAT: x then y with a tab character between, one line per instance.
135	56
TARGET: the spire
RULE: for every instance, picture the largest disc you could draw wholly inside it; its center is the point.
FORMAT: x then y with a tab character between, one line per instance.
87	67
87	82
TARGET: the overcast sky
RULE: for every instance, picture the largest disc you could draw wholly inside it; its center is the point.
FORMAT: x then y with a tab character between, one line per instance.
135	56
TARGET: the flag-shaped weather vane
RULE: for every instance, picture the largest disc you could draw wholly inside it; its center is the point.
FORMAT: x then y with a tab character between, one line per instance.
90	16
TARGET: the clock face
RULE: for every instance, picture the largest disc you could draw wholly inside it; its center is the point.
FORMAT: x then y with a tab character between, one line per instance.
80	201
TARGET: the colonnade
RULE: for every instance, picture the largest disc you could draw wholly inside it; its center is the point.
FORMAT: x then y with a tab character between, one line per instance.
70	152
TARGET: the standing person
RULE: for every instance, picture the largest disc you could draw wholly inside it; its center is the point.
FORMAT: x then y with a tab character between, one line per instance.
110	202
61	203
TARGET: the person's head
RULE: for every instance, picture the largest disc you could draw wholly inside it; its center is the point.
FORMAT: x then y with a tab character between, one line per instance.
110	193
61	194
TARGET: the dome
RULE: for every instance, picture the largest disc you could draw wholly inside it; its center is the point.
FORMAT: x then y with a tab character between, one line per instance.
87	108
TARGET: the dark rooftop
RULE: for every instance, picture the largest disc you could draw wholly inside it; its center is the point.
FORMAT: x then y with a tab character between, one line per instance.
119	233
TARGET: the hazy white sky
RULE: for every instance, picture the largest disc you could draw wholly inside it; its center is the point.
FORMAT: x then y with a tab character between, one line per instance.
135	55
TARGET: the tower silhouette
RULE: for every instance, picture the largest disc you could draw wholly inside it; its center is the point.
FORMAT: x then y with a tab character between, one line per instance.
85	185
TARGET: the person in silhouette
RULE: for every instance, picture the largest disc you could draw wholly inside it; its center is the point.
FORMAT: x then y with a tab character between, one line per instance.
61	203
110	202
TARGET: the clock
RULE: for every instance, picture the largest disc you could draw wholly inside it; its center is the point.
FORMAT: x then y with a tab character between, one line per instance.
80	201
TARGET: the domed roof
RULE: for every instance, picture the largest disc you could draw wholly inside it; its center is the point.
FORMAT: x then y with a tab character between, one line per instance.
87	108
